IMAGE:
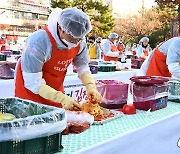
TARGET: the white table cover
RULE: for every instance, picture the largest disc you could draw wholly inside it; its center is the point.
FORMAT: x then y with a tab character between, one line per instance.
72	83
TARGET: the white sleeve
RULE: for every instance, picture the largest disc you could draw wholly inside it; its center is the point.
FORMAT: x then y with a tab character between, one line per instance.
36	52
174	69
107	50
139	51
173	54
112	54
144	68
81	61
32	81
173	58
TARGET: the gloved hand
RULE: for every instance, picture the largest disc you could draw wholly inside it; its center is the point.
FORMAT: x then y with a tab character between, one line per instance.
93	94
67	102
93	109
143	56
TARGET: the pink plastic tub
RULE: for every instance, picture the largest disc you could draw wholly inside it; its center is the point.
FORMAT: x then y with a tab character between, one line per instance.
8	53
150	92
136	63
6	72
114	93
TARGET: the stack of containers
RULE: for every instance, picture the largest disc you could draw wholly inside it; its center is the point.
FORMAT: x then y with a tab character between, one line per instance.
114	93
150	92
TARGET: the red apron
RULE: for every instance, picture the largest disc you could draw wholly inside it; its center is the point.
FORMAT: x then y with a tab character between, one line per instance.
113	49
54	71
145	52
157	65
120	47
134	52
3	47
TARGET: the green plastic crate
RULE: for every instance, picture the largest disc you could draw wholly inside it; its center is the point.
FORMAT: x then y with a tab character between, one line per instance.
107	68
174	87
43	145
16	52
3	57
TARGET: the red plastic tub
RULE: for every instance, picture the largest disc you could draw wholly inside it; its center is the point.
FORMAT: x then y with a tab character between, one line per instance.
150	92
114	93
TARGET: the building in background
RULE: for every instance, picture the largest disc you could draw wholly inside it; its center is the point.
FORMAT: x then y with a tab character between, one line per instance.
126	8
19	18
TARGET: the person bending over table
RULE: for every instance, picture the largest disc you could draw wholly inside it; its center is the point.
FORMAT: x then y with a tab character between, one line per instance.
48	52
164	60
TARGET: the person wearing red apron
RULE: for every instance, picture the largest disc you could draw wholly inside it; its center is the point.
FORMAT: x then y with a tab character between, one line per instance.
143	48
164	60
111	53
120	45
48	52
2	44
158	66
51	73
134	48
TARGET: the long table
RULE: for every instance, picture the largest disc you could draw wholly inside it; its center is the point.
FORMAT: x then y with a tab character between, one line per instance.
72	84
149	133
157	132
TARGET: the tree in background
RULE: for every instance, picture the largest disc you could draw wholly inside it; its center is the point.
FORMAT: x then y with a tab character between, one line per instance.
154	23
166	13
171	4
134	28
100	14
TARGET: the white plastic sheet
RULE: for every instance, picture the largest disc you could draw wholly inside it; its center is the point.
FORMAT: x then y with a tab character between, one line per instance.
32	120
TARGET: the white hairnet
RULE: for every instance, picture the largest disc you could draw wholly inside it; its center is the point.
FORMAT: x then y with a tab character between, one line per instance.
52	23
3	36
144	39
113	35
99	39
74	22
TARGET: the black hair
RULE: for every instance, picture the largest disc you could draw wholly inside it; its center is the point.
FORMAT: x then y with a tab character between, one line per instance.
92	38
144	46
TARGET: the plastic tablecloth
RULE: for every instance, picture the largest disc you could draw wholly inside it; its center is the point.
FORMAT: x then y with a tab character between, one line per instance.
154	132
